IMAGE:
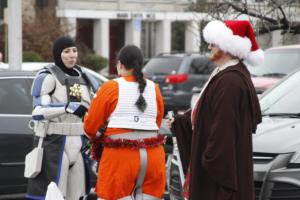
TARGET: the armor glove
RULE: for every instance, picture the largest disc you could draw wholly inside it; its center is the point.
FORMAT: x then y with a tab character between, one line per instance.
76	108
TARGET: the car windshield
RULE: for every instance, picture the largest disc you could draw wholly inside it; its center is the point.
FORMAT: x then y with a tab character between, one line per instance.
283	99
278	63
162	66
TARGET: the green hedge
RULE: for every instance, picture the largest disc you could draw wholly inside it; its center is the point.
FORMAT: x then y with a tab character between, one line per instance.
32	56
93	61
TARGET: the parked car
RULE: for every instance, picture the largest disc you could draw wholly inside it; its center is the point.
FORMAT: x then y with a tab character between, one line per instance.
279	61
276	145
177	74
15	135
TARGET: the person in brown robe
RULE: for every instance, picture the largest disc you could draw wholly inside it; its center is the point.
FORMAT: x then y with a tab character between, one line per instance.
223	118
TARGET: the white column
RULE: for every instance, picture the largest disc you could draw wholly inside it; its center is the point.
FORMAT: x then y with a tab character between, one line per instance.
276	38
101	37
71	23
163	36
133	30
15	34
192	36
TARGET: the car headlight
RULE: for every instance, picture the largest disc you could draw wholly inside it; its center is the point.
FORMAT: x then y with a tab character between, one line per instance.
294	161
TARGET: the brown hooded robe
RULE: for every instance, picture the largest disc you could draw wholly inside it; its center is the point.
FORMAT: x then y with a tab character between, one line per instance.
221	152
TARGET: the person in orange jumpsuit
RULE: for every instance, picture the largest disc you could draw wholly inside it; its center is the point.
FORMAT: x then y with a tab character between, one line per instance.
132	164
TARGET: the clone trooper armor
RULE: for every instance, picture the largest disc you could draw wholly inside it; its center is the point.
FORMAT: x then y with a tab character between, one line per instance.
57	97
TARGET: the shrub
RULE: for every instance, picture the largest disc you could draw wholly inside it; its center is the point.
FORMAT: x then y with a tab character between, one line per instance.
93	61
41	29
32	56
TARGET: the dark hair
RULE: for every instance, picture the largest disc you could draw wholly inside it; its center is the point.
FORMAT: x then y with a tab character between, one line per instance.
132	58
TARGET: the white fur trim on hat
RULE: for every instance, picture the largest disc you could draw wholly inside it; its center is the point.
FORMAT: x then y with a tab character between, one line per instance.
216	32
255	57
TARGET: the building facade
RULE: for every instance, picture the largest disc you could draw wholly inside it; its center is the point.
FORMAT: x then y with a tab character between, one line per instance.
106	25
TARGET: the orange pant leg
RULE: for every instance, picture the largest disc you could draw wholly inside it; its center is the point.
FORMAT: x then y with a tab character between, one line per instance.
117	172
155	179
119	169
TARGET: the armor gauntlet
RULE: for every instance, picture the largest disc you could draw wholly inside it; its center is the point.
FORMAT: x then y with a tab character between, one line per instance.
76	108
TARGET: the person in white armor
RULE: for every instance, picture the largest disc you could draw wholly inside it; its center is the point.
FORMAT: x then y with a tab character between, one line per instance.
61	97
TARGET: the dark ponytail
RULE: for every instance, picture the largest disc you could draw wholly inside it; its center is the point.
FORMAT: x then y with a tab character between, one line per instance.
132	58
141	102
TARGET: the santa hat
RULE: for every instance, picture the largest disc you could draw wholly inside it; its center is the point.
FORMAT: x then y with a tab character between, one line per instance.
236	38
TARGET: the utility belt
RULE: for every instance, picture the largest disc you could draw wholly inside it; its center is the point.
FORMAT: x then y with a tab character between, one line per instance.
134	140
42	129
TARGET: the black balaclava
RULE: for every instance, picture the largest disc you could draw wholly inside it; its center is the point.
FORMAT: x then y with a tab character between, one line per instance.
58	46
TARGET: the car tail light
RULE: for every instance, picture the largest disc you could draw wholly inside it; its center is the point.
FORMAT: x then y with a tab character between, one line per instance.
176	78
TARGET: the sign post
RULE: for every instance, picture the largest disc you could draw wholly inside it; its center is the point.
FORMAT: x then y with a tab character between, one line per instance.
14	15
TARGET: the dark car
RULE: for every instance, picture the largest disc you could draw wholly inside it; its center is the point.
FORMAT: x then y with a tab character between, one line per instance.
177	74
16	137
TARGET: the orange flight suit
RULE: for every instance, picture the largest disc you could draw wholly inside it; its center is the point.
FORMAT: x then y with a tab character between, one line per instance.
119	167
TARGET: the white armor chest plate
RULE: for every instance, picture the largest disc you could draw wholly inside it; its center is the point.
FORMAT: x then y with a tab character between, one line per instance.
60	95
127	115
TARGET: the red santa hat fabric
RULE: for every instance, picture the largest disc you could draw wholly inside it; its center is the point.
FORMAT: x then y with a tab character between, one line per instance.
235	37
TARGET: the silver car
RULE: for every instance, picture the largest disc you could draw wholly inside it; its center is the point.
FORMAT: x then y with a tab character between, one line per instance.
276	145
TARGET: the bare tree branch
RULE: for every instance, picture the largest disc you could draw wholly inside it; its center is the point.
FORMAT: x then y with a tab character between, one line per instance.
270	14
253	14
284	20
